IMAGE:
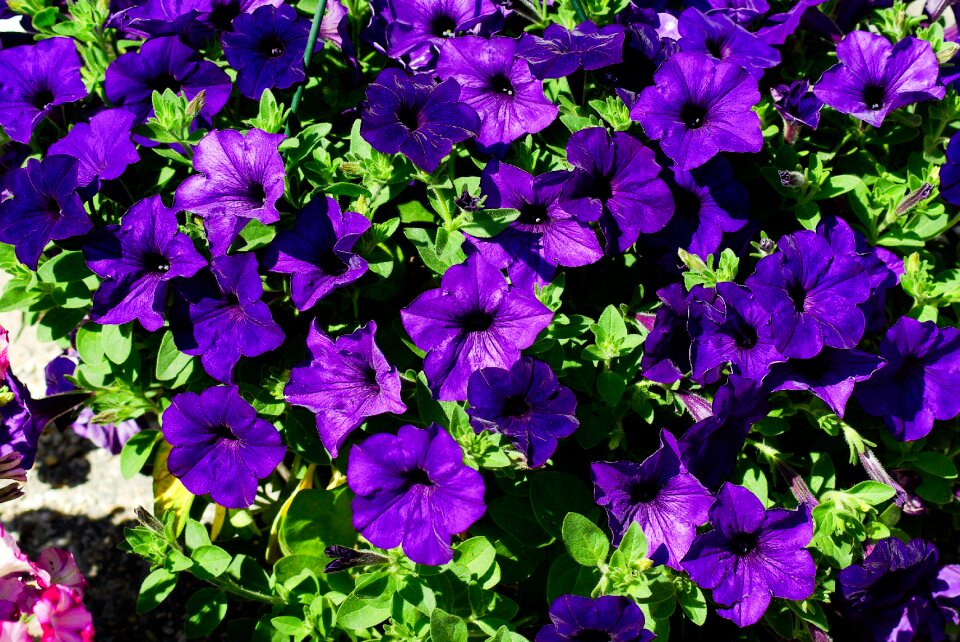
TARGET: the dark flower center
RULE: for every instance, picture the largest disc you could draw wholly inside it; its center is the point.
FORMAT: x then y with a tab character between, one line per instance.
515	406
742	543
256	193
476	321
156	262
223	14
416	477
272	46
714	47
600	187
873	96
42	98
223	432
693	115
53	206
744	334
443	26
331	264
687	202
163	82
797	294
500	84
644	491
533	214
592	635
409	117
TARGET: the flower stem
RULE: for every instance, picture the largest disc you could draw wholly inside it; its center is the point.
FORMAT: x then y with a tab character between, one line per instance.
307	54
578	9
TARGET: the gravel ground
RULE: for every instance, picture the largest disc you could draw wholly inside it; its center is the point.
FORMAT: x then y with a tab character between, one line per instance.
77	499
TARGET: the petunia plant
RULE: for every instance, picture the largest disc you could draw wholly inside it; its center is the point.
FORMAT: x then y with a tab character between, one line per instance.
494	320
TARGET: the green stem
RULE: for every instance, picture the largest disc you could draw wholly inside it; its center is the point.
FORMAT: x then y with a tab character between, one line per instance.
307	54
578	9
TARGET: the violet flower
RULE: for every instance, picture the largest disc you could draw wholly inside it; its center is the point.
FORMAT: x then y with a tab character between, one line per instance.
473	320
950	172
241	178
611	618
416	117
874	77
498	85
34	79
222	13
813	293
103	147
616	180
266	48
417	29
318	251
797	105
220	445
137	260
561	51
224	317
830	375
659	494
161	64
718	36
544	236
700	107
346	381
526	403
900	592
45	207
413	490
666	350
752	555
919	382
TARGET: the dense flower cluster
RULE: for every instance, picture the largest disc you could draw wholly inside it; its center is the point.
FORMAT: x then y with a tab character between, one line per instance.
497	319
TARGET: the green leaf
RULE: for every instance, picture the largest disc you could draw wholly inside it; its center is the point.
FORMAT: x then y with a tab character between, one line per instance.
170	361
871	492
317	519
585	542
837	185
64	268
205	611
212	559
155	589
488	223
117	342
692	601
633	546
553	495
936	464
195	534
289	625
446	627
137	451
504	634
612	324
90	344
369	604
611	387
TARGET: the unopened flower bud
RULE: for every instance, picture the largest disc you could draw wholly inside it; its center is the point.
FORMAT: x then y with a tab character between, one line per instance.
914	198
792	180
196	104
344	558
909	504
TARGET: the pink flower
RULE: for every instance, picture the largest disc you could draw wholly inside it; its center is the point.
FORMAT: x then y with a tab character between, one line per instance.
62	616
57	566
11	559
14	632
4	349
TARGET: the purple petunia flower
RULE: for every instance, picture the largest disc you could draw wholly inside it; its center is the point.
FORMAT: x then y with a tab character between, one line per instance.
900	593
473	320
752	555
44	207
498	85
777	27
561	51
266	48
741	11
797	105
616	180
544	236
733	328
919	382
950	172
874	77
220	445
611	618
154	18
225	318
417	29
346	381
718	36
34	79
659	494
830	375
698	108
709	449
813	293
666	350
161	64
416	117
138	259
317	252
221	13
103	147
708	202
526	403
241	178
414	490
